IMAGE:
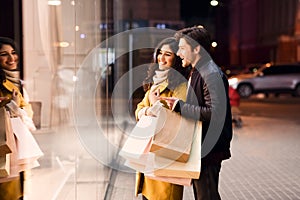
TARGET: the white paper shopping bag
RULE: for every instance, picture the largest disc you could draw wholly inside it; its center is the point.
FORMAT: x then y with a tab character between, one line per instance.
138	143
14	167
5	147
27	147
163	167
148	172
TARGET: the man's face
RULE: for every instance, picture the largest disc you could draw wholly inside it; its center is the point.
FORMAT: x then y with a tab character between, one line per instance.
186	53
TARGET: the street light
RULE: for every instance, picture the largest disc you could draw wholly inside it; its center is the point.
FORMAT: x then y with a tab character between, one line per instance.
214	3
214	44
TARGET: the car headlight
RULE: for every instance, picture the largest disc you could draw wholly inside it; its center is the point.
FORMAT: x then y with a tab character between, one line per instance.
233	82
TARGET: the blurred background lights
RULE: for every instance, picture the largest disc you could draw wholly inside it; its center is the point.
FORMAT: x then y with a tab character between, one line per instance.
103	26
54	2
214	44
214	2
64	44
82	36
161	26
75	78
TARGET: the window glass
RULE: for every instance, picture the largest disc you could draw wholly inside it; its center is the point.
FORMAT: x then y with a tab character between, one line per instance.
77	52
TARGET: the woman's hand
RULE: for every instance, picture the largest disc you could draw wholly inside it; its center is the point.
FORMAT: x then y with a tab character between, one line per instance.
15	96
154	96
148	112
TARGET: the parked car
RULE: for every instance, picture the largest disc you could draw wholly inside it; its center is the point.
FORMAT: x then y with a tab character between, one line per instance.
252	68
232	70
284	78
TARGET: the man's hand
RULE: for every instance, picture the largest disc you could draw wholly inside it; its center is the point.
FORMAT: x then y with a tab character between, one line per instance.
3	98
169	100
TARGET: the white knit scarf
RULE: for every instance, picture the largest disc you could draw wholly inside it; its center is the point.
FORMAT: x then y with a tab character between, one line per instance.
159	77
13	76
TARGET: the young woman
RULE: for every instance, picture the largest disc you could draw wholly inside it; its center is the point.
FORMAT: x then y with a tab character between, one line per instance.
14	98
166	78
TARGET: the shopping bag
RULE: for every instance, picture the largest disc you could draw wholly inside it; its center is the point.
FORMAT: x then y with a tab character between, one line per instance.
145	168
174	180
4	165
173	136
11	140
30	165
4	145
25	150
190	169
137	145
27	147
158	166
145	162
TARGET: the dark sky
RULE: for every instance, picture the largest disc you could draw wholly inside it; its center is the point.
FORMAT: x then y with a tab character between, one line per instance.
195	8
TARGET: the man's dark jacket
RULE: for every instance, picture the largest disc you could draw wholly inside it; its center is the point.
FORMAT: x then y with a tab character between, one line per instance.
208	101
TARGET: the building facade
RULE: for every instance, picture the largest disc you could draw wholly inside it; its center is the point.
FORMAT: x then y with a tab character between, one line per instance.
263	31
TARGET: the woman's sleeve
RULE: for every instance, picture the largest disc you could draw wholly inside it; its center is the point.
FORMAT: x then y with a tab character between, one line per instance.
24	110
27	106
141	107
180	92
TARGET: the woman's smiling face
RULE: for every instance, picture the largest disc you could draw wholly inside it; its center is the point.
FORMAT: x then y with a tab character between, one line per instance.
165	57
8	57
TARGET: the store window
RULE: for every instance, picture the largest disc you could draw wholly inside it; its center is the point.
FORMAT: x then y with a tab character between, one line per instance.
85	61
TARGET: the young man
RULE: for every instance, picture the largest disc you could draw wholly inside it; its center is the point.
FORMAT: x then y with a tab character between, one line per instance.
207	101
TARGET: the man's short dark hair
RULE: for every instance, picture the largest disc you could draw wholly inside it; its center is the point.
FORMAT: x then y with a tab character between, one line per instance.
194	36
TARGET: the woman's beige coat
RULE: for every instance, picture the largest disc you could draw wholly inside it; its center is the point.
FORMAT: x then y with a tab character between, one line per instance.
152	189
12	190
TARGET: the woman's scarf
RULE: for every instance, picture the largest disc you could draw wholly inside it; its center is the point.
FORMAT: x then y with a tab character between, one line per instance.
13	76
160	77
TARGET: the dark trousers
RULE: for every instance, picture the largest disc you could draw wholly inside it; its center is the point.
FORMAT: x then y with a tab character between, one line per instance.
206	187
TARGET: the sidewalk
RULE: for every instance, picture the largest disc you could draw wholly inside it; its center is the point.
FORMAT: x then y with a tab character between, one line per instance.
264	165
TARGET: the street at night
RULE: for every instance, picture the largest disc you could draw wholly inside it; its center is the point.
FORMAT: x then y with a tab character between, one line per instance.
265	153
284	107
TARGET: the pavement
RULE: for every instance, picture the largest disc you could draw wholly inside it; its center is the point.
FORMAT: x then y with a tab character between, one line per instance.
264	165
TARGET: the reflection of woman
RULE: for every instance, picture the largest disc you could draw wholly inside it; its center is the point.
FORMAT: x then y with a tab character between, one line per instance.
166	78
14	98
